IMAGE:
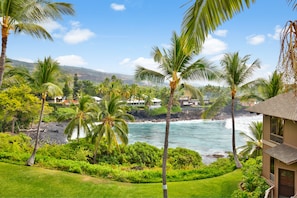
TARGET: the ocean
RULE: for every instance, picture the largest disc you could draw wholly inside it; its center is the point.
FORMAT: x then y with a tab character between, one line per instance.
207	137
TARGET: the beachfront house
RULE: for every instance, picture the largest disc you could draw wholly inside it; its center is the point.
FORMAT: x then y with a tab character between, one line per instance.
155	103
279	144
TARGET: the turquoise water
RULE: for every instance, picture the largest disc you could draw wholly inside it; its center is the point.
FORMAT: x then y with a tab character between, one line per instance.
207	137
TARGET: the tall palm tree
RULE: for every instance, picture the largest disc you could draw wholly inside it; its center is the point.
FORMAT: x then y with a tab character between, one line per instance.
235	73
24	16
112	118
175	65
44	82
254	145
81	118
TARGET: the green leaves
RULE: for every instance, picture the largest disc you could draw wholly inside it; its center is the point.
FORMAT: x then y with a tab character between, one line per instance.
18	103
204	16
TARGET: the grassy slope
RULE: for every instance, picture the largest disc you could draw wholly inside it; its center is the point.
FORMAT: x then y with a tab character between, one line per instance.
22	181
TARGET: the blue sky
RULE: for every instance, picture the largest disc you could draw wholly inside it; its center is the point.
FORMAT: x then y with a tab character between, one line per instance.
115	36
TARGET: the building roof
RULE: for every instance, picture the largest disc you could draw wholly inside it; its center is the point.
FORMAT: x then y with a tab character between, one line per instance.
284	153
281	106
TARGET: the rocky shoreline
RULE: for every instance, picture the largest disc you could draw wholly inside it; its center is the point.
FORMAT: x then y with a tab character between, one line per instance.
53	133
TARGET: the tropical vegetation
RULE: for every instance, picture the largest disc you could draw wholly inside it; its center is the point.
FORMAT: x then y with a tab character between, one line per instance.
112	124
104	157
25	16
44	83
175	65
79	117
254	145
235	74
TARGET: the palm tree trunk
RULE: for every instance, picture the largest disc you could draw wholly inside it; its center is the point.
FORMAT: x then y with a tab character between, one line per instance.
13	124
96	150
3	53
165	152
78	132
31	160
237	162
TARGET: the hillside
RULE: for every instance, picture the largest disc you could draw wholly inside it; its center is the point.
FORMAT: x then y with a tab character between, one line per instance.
83	73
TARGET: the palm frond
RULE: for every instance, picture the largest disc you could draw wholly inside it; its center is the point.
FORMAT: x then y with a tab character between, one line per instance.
32	29
216	106
52	89
204	16
142	73
40	10
201	69
195	92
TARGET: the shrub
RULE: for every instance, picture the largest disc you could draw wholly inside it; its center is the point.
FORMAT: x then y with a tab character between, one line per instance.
143	154
180	158
253	184
14	143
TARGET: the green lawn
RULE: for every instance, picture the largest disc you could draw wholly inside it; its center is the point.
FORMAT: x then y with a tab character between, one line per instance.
23	181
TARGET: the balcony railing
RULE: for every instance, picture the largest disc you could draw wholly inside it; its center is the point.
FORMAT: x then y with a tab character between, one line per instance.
269	192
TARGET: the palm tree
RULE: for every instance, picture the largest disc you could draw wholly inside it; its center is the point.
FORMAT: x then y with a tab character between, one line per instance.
175	65
112	118
24	16
204	16
254	145
44	82
81	118
236	72
288	53
266	88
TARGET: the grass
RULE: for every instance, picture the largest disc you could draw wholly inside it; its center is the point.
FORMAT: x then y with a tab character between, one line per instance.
23	181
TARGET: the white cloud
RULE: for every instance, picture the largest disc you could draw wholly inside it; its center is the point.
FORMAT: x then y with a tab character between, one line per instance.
148	63
213	46
125	61
117	7
255	39
77	35
221	33
277	31
71	60
27	60
51	26
216	58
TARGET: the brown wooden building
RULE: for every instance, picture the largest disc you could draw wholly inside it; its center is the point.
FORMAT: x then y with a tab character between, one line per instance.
279	143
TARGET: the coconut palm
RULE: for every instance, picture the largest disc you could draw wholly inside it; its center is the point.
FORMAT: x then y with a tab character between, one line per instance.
266	88
254	144
112	118
15	76
81	118
25	16
175	65
204	16
235	73
44	82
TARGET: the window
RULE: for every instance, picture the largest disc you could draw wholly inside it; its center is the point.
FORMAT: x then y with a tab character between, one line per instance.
272	168
286	183
276	129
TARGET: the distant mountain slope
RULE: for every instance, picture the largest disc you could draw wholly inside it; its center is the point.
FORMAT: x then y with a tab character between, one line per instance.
83	73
